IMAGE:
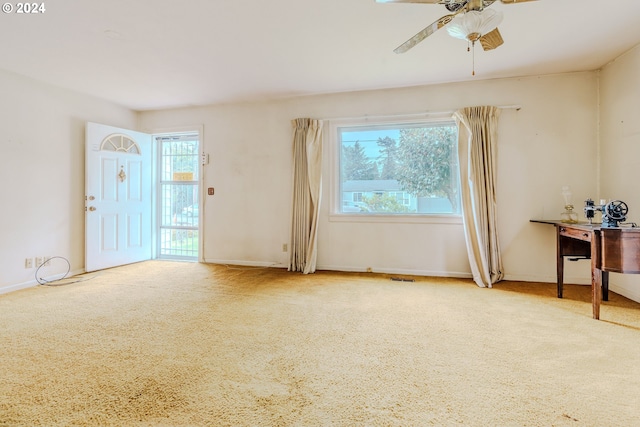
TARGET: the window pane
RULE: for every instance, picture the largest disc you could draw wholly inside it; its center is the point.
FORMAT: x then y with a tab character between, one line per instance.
402	169
178	197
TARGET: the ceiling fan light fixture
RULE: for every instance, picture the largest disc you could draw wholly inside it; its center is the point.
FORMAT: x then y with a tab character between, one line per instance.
473	37
474	24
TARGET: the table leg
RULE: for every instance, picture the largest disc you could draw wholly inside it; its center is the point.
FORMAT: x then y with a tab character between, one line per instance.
596	292
559	262
596	276
605	285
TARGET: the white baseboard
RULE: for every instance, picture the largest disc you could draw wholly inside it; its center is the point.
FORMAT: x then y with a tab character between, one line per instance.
17	287
632	294
408	272
244	263
34	282
548	279
628	292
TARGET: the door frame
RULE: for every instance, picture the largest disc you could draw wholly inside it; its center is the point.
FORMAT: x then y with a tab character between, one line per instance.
155	132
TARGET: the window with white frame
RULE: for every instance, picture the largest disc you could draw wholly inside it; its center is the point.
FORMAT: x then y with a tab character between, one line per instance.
399	167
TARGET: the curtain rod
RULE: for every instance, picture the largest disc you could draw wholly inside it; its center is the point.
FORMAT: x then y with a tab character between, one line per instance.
425	113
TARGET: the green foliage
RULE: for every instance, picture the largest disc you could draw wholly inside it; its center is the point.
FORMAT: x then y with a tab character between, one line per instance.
423	161
388	161
356	165
180	156
183	155
428	166
384	203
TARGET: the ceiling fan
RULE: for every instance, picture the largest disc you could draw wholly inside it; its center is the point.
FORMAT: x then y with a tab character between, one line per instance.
469	20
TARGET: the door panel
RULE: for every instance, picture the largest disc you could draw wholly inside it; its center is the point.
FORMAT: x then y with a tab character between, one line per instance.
135	182
109	191
135	231
108	232
118	197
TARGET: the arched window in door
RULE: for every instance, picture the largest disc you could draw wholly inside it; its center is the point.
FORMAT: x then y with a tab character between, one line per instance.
120	142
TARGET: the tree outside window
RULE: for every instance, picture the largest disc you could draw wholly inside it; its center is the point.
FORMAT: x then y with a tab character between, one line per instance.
403	169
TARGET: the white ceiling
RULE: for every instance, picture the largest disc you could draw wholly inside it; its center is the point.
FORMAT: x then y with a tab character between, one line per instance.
153	54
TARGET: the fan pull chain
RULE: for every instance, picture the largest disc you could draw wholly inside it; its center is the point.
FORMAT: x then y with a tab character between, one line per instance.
473	61
471	45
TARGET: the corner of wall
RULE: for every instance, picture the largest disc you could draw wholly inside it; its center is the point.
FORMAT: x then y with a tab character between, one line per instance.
598	134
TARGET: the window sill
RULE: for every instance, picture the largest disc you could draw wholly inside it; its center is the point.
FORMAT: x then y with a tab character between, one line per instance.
397	219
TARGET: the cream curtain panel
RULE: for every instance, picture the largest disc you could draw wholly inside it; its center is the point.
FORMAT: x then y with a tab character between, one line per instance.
477	143
307	188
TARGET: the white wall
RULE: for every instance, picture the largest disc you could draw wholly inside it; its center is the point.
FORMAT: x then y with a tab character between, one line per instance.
550	142
42	174
620	146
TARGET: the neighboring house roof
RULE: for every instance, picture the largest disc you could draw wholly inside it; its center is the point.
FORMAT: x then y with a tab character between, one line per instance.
368	185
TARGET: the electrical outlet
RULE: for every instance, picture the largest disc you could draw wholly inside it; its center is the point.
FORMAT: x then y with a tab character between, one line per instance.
42	261
28	263
284	247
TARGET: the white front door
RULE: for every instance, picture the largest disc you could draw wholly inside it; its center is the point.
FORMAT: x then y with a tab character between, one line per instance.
118	197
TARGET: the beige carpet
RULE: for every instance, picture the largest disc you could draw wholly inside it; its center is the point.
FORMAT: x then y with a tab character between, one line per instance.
185	344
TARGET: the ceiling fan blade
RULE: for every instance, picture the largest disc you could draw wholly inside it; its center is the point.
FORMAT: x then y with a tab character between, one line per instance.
424	33
491	40
409	1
